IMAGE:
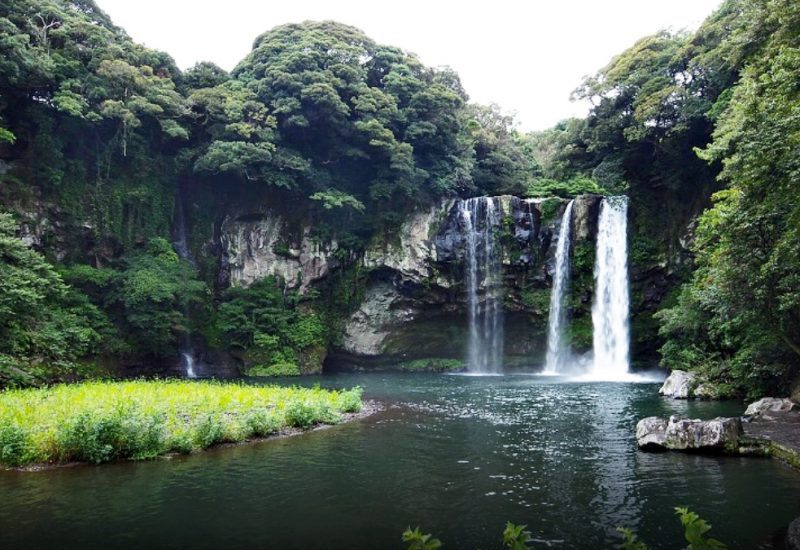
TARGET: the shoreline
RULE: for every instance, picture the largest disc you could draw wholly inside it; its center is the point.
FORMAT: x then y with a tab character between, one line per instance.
369	407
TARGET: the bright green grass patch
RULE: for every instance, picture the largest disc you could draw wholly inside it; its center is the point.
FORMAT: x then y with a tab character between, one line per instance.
103	421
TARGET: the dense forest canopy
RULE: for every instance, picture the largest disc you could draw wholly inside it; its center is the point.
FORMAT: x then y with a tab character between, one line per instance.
100	136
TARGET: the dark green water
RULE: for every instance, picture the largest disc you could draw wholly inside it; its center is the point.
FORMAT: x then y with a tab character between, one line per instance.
456	455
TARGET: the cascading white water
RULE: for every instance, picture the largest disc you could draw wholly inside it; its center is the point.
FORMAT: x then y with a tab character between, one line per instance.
480	217
188	364
557	350
610	311
181	247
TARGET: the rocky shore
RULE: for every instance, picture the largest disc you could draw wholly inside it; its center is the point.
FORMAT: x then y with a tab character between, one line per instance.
769	427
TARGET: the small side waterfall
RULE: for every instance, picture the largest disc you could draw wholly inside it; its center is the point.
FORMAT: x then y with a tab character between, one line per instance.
481	217
188	364
557	349
181	246
610	311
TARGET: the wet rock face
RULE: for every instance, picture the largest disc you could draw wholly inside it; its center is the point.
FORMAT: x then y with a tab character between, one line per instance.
368	329
412	252
258	245
682	434
766	405
678	385
585	214
415	300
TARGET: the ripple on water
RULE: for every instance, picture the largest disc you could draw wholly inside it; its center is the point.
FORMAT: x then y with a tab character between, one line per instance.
456	455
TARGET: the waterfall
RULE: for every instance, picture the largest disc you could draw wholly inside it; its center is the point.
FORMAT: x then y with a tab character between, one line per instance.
481	217
611	303
188	364
557	350
181	246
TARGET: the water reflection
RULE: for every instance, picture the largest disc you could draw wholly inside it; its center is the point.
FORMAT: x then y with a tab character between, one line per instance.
456	455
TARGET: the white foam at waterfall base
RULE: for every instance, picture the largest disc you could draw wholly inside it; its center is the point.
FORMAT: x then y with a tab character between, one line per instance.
188	364
557	349
181	247
610	311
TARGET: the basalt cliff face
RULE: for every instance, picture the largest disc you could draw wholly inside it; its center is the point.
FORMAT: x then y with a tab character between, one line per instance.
414	302
412	288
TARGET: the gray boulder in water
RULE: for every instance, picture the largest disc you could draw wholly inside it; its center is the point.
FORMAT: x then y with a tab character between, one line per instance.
683	434
766	405
678	385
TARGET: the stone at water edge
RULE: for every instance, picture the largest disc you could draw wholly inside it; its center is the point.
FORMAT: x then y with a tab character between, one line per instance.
770	404
678	384
683	434
793	535
651	433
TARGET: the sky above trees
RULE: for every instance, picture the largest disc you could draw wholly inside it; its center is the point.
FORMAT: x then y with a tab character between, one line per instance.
525	56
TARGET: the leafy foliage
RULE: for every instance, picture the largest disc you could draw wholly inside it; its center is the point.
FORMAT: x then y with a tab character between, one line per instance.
272	325
695	529
45	326
515	537
738	320
418	541
630	541
147	294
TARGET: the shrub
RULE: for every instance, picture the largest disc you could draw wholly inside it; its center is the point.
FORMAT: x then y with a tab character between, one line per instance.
278	369
103	421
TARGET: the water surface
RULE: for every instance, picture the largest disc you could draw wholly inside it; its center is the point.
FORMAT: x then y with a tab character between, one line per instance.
456	455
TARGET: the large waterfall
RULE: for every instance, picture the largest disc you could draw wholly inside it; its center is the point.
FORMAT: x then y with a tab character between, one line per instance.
557	350
611	338
481	217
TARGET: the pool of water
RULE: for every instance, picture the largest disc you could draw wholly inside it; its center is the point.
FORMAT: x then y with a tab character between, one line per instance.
456	455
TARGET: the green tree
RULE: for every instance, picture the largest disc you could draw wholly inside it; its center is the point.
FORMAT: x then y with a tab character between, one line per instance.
280	333
45	325
738	320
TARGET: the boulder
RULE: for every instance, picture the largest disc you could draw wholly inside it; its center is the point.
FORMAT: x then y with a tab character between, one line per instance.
793	535
706	391
651	433
766	405
683	434
678	385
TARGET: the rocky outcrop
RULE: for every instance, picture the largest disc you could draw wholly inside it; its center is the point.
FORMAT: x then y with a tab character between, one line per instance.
259	245
414	304
766	405
381	311
411	253
682	434
678	385
414	301
585	214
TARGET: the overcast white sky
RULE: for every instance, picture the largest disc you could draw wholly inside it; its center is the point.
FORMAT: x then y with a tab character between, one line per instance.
525	55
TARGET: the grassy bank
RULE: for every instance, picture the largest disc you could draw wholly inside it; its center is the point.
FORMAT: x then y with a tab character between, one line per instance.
103	421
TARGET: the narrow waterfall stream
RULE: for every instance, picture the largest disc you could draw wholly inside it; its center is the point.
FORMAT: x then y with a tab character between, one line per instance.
610	311
481	217
557	349
181	246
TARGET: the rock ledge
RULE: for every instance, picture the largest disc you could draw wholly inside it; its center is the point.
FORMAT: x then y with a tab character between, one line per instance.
682	434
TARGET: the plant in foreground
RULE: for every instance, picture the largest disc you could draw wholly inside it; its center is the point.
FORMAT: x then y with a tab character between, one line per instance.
515	537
